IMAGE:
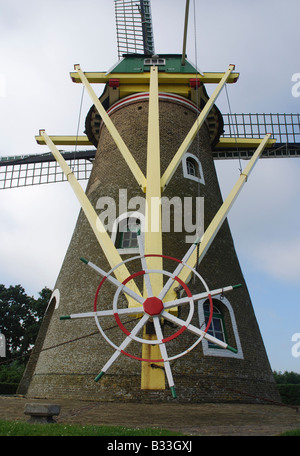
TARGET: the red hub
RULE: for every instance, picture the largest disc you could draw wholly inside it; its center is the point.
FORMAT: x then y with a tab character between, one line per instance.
153	306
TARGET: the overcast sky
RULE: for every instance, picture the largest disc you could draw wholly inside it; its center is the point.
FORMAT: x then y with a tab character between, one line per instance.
41	40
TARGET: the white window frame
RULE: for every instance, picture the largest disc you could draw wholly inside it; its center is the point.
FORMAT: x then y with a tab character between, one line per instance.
185	168
211	351
154	61
116	223
217	315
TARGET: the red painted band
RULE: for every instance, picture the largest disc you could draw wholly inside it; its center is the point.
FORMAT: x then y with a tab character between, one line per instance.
184	285
145	95
211	310
121	326
97	292
142	359
163	256
132	276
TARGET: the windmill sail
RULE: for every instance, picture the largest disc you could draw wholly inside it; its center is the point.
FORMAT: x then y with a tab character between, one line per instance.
134	27
285	128
28	170
22	171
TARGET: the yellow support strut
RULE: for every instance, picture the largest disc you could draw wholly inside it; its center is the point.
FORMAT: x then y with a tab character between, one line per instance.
153	378
101	234
194	130
222	213
128	157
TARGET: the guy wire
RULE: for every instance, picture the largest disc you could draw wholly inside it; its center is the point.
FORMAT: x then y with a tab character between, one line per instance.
235	128
197	104
78	125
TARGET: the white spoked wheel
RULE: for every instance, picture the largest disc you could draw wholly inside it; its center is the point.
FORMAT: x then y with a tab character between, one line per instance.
151	309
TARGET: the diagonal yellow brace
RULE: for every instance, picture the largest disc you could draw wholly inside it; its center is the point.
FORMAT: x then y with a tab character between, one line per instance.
222	213
101	234
128	157
153	378
194	130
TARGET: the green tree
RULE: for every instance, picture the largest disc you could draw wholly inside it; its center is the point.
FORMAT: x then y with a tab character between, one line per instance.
20	318
287	378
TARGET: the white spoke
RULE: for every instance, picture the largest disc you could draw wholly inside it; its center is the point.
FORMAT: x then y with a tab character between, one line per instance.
169	282
163	350
126	342
106	313
193	329
116	282
196	297
176	273
131	310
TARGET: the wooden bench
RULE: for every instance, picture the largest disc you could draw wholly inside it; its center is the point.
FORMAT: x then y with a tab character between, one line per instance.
41	413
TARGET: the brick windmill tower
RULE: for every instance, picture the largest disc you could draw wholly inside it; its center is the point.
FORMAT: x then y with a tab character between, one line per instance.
151	303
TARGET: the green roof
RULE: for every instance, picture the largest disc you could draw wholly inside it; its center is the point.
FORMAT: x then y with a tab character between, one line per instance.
137	63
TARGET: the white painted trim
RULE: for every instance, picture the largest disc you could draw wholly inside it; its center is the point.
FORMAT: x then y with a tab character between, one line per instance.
185	170
56	295
218	351
145	96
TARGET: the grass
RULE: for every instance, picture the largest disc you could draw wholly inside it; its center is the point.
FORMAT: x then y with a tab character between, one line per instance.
20	428
295	432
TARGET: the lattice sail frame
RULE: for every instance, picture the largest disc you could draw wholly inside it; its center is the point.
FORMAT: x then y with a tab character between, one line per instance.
134	27
24	171
240	129
30	170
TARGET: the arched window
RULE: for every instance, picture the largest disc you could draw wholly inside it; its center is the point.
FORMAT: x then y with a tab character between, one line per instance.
223	326
125	232
192	168
217	326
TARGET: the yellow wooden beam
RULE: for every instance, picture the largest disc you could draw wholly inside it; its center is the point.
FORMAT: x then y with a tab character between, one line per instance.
153	234
163	78
242	143
194	130
128	157
179	89
65	140
153	378
101	234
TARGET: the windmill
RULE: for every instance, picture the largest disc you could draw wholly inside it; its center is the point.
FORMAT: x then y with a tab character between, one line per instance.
125	97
